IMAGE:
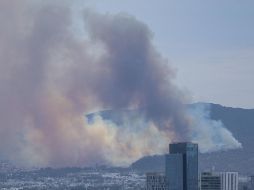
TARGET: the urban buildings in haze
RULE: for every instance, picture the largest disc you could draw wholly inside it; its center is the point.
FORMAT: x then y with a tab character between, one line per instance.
210	181
219	181
156	181
181	171
182	166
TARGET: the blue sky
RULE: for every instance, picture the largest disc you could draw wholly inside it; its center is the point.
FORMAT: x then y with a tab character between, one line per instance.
210	43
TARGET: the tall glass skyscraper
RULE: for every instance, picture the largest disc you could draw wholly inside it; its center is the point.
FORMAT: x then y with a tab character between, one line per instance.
182	166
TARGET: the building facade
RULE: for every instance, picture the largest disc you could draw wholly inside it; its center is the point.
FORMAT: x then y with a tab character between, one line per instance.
174	171
229	180
182	166
156	181
210	181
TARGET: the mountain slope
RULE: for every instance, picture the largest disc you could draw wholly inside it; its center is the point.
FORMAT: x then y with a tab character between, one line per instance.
241	123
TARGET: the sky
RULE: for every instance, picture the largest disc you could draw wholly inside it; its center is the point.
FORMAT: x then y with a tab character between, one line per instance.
209	43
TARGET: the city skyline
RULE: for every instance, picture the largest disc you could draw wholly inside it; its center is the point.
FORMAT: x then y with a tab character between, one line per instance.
93	94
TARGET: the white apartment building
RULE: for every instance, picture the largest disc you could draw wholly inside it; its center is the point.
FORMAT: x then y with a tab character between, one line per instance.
229	180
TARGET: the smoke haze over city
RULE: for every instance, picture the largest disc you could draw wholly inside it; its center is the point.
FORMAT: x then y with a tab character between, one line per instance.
56	69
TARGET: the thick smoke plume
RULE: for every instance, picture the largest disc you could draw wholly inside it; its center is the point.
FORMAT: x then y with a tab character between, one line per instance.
51	76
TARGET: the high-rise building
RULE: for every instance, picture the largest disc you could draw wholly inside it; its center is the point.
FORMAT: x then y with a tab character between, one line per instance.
229	180
174	171
155	181
182	166
210	181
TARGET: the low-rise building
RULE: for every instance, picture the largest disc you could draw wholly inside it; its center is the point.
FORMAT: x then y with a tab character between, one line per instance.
210	181
155	181
229	180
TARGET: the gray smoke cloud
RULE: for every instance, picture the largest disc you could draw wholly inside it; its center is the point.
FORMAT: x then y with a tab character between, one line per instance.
51	76
136	75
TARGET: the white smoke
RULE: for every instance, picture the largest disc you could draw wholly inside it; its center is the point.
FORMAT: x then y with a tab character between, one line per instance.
211	135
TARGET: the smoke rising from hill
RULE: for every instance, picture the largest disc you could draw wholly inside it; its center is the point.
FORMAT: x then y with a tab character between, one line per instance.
51	77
